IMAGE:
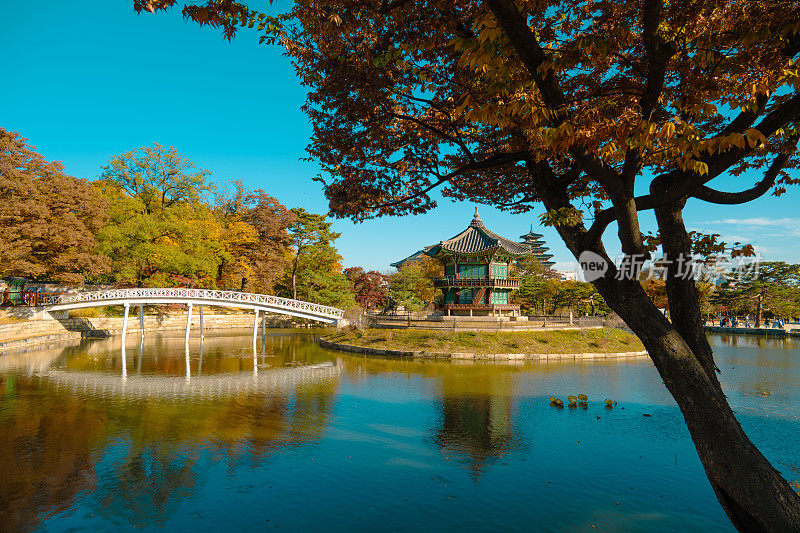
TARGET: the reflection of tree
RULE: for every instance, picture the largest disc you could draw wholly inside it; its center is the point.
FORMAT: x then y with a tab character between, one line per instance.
157	448
149	483
46	460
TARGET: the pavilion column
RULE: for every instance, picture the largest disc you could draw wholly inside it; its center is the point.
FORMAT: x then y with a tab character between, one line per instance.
202	331
188	323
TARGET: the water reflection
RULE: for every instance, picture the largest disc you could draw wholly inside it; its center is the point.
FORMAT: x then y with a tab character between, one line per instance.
302	436
48	445
139	441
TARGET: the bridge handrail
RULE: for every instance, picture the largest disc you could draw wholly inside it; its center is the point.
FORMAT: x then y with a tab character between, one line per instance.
203	294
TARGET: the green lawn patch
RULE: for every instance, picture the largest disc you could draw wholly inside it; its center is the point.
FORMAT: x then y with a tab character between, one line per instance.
604	340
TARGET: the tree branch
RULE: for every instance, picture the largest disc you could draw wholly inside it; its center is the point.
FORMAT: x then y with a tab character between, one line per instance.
492	161
646	202
533	58
707	194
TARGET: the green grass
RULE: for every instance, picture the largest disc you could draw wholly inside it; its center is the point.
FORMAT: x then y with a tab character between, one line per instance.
605	340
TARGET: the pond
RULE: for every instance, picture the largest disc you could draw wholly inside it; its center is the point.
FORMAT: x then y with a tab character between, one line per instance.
299	438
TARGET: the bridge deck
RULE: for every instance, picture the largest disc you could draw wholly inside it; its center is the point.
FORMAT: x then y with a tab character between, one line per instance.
150	296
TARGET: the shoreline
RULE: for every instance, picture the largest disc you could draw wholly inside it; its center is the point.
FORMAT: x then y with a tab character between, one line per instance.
422	354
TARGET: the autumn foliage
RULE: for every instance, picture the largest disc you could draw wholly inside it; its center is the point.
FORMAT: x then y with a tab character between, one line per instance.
596	110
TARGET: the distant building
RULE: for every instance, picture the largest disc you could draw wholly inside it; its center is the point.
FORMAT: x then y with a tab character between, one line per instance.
569	275
535	242
477	265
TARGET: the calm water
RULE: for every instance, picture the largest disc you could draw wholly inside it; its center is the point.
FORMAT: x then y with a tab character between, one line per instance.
304	439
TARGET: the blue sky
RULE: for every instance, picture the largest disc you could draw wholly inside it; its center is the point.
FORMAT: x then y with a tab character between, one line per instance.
84	81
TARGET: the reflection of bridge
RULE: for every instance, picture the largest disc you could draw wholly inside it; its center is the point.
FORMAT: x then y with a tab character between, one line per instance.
190	298
209	386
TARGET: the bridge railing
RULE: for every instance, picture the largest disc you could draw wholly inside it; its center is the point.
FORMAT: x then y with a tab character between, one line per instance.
201	294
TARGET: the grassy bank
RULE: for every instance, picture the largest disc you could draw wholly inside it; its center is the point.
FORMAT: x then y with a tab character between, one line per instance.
604	340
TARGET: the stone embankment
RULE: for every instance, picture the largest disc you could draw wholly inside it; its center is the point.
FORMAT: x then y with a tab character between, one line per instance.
470	355
23	329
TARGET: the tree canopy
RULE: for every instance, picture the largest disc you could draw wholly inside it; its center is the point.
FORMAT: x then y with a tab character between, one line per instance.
48	220
158	225
775	288
597	110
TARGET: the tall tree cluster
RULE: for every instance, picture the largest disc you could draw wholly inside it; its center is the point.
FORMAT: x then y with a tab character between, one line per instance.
773	289
154	219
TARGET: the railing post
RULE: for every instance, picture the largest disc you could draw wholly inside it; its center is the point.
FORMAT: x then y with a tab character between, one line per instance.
188	323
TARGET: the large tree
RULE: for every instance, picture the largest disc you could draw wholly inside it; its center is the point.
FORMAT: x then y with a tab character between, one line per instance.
254	237
159	229
314	272
48	219
370	287
774	288
566	103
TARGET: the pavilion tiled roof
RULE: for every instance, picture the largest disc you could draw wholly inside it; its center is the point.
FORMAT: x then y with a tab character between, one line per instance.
477	239
416	256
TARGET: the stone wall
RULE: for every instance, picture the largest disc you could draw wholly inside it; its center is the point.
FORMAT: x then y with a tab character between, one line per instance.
26	327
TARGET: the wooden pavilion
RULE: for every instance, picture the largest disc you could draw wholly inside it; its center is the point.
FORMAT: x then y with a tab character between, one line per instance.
477	264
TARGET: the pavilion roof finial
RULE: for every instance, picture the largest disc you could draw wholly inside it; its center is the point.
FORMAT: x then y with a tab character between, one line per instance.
476	220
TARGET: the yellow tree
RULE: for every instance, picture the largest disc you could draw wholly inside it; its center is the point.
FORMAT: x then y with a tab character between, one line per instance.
565	103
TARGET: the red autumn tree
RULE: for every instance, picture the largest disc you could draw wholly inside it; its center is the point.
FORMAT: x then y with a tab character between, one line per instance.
48	220
576	105
370	287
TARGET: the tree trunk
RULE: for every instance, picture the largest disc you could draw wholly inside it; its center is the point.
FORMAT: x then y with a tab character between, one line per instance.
751	491
294	273
759	310
682	293
220	268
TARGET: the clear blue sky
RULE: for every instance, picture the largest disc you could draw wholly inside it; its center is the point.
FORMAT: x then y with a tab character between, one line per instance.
84	81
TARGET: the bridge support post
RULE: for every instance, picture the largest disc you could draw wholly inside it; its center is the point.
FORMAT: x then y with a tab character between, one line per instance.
188	371
202	332
141	321
124	363
126	307
188	323
255	329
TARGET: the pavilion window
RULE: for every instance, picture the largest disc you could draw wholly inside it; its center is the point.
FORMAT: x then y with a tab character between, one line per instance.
472	271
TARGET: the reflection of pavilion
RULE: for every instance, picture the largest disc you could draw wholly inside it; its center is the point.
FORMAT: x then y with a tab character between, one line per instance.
477	425
214	385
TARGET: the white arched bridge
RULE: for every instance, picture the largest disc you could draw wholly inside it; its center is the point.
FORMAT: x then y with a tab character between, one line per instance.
191	297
